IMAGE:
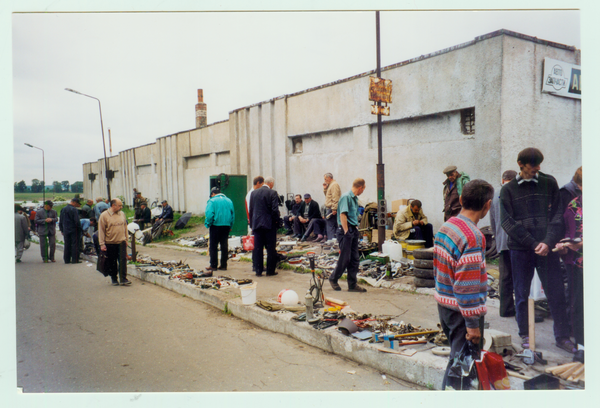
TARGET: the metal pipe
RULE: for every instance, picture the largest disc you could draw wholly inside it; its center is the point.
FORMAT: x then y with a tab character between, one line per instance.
103	141
43	170
380	166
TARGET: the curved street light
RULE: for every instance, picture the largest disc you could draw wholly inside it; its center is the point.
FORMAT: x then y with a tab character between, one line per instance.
43	170
103	144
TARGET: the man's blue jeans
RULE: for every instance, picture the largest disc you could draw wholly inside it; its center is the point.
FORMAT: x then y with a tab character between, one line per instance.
548	268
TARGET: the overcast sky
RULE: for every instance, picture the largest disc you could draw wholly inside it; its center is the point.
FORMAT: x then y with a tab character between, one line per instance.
146	68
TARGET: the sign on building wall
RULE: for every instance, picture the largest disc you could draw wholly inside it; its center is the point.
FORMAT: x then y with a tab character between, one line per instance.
380	90
562	78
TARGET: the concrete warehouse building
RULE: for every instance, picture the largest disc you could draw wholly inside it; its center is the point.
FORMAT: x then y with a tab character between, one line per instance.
474	105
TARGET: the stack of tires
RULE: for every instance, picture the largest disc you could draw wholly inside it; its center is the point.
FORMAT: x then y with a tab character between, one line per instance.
423	268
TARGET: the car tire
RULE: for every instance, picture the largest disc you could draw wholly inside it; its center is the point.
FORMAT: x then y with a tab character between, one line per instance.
423	273
423	253
424	283
423	263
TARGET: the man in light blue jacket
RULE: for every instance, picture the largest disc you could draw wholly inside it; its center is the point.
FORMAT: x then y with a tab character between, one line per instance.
219	220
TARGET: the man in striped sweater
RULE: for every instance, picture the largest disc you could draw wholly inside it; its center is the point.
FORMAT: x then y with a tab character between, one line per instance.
459	270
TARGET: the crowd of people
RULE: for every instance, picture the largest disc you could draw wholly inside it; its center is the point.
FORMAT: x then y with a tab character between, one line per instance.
537	227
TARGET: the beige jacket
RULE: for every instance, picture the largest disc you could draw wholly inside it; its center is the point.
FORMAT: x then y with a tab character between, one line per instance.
332	195
112	228
404	222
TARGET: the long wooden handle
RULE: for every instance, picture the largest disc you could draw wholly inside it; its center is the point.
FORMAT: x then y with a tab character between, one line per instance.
517	375
531	313
397	336
560	369
570	371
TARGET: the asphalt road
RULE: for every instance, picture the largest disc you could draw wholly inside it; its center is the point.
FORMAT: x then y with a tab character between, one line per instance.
77	333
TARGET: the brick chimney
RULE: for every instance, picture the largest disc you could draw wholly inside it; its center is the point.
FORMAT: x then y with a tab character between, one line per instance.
200	111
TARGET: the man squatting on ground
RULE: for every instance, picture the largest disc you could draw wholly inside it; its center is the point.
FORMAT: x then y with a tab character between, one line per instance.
459	270
505	286
45	221
532	217
219	220
332	192
112	237
412	224
347	237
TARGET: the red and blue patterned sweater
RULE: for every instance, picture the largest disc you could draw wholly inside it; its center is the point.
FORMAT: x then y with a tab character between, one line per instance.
459	269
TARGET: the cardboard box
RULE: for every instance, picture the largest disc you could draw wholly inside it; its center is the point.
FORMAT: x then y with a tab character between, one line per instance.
375	234
397	203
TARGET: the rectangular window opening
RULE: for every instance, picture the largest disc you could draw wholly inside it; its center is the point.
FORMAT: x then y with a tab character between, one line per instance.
467	121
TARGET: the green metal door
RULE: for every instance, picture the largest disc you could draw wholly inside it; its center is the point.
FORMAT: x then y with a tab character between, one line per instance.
234	187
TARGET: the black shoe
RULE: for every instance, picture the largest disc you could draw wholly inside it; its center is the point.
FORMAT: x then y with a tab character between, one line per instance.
222	268
206	275
115	282
210	269
125	282
258	275
579	356
357	289
273	274
335	285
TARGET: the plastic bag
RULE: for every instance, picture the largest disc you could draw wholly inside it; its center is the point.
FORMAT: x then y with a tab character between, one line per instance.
248	243
463	371
491	372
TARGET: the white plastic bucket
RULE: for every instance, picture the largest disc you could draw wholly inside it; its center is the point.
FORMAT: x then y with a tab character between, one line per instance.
234	242
393	249
249	293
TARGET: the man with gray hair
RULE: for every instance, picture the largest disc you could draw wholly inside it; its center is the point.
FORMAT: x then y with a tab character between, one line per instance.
264	222
332	192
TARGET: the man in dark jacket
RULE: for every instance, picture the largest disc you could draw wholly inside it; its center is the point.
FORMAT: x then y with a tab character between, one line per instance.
145	216
45	221
167	212
288	220
264	221
86	210
309	210
70	226
531	215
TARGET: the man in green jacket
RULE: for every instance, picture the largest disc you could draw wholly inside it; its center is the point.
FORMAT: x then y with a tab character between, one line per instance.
452	190
219	220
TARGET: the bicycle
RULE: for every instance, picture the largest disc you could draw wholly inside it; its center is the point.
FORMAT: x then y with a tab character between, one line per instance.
316	288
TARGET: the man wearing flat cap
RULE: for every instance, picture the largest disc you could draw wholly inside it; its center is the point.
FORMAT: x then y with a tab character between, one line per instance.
70	226
45	223
137	204
453	186
167	213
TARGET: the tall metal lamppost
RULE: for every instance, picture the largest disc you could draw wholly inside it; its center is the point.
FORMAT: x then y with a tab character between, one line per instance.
43	170
103	144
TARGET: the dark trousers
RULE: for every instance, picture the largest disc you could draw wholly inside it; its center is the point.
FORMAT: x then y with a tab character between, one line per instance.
264	238
423	232
575	274
71	254
548	268
287	223
317	225
505	287
455	329
299	227
332	225
116	261
219	235
349	258
47	246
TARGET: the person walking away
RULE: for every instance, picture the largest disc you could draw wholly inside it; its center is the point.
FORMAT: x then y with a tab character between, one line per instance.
532	217
45	222
332	192
505	286
347	237
70	227
112	237
219	219
459	272
265	220
21	233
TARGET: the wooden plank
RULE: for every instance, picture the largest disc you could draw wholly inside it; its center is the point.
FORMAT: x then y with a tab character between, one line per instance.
559	369
517	375
570	371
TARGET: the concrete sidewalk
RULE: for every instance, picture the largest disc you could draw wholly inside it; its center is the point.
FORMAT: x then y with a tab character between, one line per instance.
417	307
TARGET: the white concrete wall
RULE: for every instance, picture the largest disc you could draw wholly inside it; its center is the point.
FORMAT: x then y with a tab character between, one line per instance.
499	75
